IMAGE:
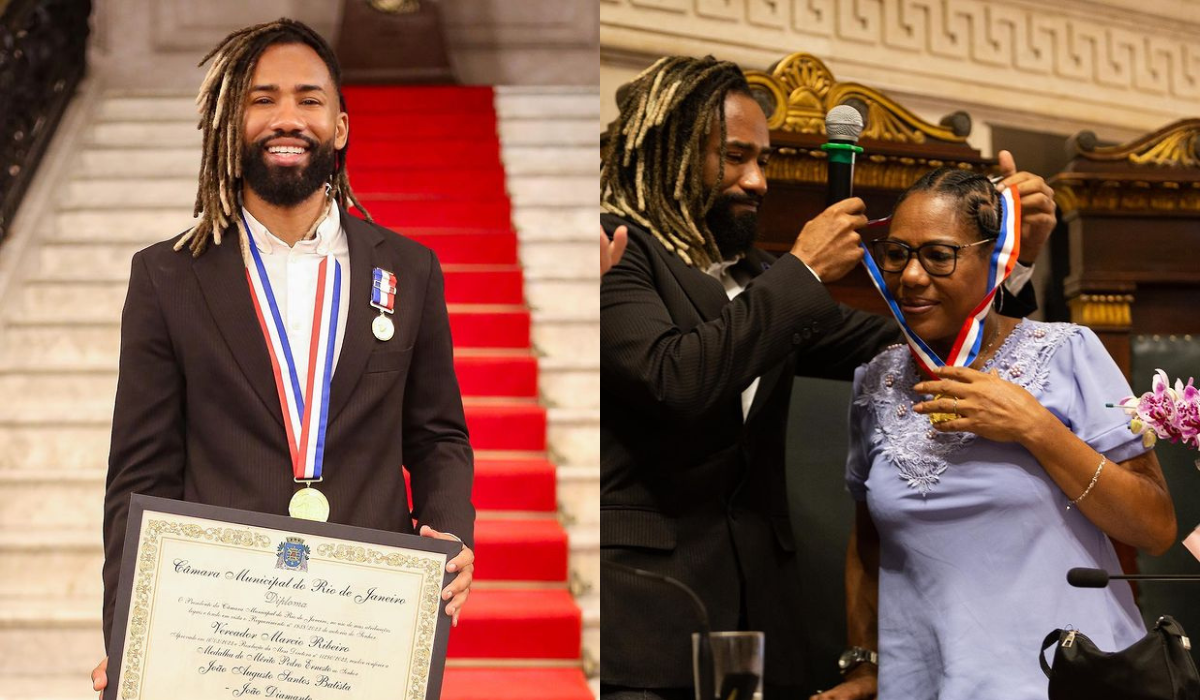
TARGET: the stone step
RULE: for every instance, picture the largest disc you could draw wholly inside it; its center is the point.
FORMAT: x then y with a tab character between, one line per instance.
56	345
590	606
519	104
102	260
58	500
574	435
54	448
54	565
51	637
49	687
563	257
557	223
87	301
145	134
539	160
141	226
35	397
179	193
542	132
555	190
125	163
569	383
148	108
584	562
567	338
579	495
563	294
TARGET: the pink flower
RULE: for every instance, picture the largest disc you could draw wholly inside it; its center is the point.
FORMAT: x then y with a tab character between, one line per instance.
1157	408
1187	413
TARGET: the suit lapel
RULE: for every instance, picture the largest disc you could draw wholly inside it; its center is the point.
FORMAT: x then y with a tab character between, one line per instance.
358	341
706	292
754	264
222	276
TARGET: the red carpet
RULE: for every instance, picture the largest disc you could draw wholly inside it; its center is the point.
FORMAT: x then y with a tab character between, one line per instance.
425	161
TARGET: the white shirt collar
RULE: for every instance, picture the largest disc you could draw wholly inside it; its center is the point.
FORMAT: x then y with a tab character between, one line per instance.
326	237
718	269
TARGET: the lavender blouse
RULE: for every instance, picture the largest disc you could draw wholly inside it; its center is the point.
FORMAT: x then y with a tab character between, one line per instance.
975	538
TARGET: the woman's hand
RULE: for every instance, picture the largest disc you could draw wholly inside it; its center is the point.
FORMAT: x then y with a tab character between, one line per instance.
989	406
860	686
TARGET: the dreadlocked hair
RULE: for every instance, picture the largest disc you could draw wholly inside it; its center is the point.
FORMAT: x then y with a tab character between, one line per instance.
221	103
974	196
652	172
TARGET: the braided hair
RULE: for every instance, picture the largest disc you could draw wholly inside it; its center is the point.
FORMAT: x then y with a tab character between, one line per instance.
221	103
974	195
652	172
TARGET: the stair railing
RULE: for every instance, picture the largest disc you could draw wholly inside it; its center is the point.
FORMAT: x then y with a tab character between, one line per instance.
43	55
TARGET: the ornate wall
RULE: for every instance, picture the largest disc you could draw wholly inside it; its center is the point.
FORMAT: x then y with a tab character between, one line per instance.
1119	67
156	43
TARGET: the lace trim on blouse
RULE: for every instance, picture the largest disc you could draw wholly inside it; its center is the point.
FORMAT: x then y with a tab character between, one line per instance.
906	438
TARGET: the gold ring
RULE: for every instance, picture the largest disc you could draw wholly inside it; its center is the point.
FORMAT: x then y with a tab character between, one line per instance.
956	404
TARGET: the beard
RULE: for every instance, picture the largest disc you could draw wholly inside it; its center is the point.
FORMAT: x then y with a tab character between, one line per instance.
287	186
734	233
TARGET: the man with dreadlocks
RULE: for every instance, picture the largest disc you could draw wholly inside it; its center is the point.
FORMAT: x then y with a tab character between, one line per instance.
200	415
701	335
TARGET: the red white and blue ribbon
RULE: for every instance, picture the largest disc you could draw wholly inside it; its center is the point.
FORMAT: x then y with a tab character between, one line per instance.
305	415
970	336
383	290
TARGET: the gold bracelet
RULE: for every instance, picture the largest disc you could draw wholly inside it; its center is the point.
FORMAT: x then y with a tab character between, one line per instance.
1095	478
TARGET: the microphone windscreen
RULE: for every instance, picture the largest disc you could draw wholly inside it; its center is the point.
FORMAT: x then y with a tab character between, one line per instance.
1087	578
843	123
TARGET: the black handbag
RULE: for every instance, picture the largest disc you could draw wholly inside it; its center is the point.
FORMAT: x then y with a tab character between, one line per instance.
1158	666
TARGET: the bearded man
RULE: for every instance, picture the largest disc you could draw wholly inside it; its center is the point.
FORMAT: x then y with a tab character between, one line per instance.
200	413
701	337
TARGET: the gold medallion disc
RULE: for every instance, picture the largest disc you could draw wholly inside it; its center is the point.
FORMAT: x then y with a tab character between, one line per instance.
309	504
936	418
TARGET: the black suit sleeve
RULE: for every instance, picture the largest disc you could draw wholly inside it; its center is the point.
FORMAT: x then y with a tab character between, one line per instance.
437	452
147	452
858	339
650	360
1017	305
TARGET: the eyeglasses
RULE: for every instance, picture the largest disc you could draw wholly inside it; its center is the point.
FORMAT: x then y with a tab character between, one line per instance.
938	259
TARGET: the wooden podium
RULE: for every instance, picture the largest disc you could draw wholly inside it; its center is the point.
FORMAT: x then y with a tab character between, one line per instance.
1132	215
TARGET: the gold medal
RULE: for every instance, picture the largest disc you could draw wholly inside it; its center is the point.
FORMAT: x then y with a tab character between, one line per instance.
309	504
382	327
936	418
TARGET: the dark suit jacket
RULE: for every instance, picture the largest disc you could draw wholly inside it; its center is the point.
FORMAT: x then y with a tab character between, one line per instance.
688	489
197	415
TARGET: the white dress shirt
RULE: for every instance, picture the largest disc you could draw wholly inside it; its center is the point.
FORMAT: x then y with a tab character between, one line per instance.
733	288
292	272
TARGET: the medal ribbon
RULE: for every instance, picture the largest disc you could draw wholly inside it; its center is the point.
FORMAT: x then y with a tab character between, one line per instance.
306	439
970	336
383	290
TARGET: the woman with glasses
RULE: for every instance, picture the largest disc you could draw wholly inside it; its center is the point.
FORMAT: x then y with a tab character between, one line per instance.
977	491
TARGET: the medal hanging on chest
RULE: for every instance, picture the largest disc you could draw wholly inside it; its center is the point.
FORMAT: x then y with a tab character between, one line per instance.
383	297
305	414
970	336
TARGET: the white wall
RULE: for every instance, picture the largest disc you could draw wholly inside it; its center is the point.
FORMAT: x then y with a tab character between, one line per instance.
1119	67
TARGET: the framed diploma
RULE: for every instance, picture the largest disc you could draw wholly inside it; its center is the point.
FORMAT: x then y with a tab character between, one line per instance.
223	603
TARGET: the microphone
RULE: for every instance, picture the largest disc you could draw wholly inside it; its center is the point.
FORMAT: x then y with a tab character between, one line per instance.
1080	577
843	126
704	674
